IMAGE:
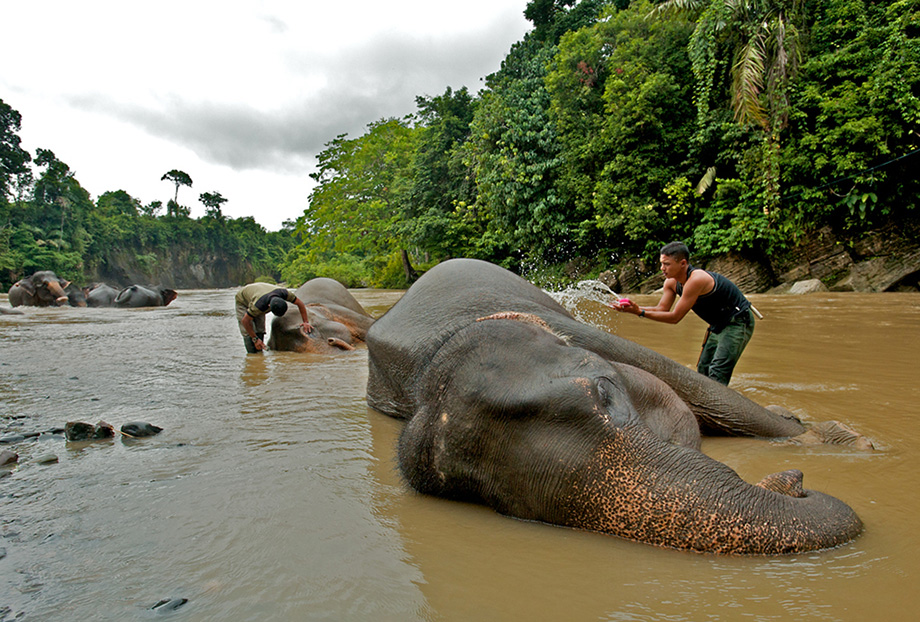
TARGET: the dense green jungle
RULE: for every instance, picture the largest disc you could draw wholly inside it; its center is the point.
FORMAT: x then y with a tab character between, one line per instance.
612	127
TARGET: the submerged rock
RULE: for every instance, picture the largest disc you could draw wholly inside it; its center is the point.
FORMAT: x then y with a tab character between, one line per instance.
169	604
80	431
139	429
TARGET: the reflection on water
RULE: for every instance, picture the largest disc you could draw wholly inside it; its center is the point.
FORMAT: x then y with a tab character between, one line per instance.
272	493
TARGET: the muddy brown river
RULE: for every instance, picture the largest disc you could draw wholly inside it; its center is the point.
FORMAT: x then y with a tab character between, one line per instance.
271	493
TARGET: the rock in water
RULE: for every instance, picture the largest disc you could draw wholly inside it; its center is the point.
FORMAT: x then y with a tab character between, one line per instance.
139	429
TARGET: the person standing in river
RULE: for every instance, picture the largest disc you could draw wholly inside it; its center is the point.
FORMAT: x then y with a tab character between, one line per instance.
255	300
714	298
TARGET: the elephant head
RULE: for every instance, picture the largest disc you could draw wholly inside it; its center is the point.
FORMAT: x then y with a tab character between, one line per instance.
339	322
504	405
42	289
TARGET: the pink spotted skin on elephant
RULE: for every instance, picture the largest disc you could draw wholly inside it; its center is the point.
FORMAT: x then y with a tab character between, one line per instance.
339	321
42	289
510	402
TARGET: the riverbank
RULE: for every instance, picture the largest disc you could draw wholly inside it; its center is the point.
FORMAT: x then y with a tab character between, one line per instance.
885	260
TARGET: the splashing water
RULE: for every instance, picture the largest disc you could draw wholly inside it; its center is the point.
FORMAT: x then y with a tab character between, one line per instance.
573	298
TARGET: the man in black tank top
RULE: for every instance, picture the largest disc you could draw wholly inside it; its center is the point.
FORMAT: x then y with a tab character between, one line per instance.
711	296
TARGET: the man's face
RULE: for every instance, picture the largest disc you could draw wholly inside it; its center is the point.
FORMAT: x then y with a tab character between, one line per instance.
671	268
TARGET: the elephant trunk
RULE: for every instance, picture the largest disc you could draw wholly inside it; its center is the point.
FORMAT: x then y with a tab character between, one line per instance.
679	498
57	292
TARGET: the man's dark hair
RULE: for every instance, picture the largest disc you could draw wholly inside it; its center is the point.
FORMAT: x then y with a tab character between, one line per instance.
676	250
279	306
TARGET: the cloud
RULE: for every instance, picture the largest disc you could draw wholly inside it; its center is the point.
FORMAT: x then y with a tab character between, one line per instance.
378	78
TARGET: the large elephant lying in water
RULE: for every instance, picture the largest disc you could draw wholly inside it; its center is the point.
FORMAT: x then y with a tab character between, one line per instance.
339	321
513	403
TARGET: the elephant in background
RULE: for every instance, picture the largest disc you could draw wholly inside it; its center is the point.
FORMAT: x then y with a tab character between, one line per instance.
339	321
75	295
42	289
139	296
511	402
100	295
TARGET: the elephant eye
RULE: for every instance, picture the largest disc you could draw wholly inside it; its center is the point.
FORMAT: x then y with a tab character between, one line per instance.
615	401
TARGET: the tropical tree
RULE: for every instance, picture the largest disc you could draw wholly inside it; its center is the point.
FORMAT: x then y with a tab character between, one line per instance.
179	178
212	202
362	184
759	42
620	96
442	184
14	160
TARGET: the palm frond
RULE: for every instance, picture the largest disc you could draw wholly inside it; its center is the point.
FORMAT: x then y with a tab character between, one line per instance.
748	81
706	181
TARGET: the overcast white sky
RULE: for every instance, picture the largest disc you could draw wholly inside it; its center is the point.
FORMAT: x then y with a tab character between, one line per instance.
239	95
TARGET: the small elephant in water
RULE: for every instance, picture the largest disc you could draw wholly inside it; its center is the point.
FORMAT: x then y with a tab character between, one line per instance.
75	295
100	295
42	289
511	402
140	296
339	321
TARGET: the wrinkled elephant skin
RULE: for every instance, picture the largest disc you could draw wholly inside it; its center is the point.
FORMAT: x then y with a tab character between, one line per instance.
42	289
339	321
511	402
137	296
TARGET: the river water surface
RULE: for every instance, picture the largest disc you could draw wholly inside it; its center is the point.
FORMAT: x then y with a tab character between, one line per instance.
271	493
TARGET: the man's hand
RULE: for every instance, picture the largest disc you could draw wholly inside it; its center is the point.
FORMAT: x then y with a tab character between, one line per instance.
259	344
626	305
307	328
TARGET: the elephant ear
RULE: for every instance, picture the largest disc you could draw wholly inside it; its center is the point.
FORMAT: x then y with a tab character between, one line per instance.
168	296
27	285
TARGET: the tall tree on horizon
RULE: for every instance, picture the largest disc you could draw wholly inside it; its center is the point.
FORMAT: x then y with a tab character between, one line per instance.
212	202
179	178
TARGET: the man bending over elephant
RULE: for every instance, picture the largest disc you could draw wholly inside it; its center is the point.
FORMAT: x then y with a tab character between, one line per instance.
711	296
254	301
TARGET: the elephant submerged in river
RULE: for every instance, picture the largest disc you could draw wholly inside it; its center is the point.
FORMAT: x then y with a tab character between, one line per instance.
339	321
42	289
137	296
511	402
100	295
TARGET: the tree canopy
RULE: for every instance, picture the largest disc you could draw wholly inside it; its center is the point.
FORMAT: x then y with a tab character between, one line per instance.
614	127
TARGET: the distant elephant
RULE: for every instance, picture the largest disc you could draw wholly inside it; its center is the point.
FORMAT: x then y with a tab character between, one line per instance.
100	295
339	321
139	296
42	289
75	295
511	402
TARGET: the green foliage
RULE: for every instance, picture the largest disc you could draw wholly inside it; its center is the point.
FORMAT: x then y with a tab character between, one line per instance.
855	115
516	154
14	160
178	178
612	127
58	227
347	269
361	185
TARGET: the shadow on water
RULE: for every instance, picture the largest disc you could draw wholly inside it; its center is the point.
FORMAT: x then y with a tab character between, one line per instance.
272	492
